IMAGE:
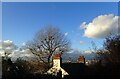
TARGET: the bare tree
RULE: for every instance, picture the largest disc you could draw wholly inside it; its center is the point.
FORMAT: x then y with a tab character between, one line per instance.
111	51
47	41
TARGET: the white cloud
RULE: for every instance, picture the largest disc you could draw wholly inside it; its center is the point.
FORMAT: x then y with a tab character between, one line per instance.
87	52
23	44
1	53
81	42
21	53
66	33
10	48
83	25
101	26
7	46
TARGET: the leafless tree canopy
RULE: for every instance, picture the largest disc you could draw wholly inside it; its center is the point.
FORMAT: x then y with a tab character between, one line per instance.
111	51
47	41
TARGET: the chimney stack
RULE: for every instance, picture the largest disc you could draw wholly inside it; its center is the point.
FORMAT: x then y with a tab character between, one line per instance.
57	56
81	59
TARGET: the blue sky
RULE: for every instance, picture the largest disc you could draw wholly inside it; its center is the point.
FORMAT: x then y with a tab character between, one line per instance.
22	20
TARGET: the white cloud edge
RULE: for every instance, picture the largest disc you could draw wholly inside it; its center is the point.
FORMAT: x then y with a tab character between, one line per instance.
81	42
99	28
8	45
66	33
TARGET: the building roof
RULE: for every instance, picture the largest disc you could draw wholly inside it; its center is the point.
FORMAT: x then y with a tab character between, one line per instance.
74	69
57	56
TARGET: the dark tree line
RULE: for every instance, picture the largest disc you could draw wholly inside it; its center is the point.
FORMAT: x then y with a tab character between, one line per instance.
111	50
20	69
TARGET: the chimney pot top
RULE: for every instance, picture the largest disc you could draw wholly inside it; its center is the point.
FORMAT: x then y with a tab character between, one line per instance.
57	56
